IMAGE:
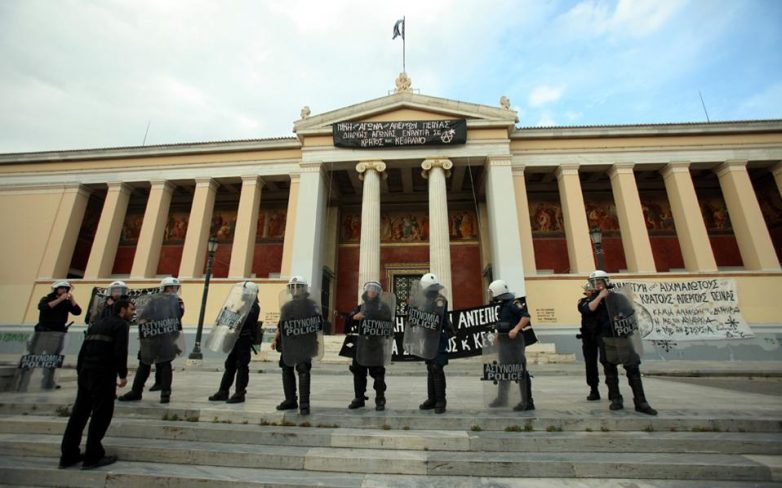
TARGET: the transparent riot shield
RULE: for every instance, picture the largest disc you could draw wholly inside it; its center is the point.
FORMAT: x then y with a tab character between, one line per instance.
301	328
160	334
96	305
230	320
37	369
375	338
624	345
504	370
425	317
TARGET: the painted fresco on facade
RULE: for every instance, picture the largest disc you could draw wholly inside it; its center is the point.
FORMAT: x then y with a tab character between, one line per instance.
398	226
545	216
657	213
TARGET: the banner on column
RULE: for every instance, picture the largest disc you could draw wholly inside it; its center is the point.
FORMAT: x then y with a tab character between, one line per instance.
693	310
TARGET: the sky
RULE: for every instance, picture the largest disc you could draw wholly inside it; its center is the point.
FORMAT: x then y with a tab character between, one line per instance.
82	74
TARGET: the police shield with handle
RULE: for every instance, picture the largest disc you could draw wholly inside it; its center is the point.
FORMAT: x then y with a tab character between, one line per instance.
505	363
426	337
102	304
299	339
45	348
374	343
233	333
620	339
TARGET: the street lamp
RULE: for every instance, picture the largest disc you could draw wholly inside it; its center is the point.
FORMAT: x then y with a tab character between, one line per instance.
597	239
211	249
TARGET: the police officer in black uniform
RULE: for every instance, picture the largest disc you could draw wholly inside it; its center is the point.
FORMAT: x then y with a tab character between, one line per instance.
435	368
103	359
600	280
237	364
590	342
373	305
53	315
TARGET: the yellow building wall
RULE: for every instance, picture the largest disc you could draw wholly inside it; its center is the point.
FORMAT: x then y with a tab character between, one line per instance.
26	221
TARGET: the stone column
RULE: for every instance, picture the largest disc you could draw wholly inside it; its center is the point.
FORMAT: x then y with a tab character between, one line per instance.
65	232
504	224
369	250
579	246
525	226
104	246
776	170
436	171
243	248
749	226
307	259
290	227
194	252
150	239
690	228
635	237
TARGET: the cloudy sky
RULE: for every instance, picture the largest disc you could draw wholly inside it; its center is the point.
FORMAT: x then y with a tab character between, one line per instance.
78	74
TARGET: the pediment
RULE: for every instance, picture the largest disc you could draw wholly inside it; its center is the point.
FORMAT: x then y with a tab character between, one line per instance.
408	106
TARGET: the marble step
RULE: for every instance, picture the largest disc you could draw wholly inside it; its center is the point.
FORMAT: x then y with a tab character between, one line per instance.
677	466
436	440
42	471
458	420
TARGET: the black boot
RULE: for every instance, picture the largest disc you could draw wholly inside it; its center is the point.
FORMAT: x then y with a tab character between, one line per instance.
237	397
525	386
639	398
439	390
594	394
304	388
289	389
380	390
220	396
430	393
157	386
359	388
165	396
617	402
130	396
502	395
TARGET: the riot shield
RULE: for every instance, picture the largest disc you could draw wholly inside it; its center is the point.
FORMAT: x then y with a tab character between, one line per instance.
375	338
504	370
301	328
425	317
230	320
37	369
96	305
159	329
624	345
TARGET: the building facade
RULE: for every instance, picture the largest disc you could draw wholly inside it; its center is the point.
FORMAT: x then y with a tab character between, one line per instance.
352	198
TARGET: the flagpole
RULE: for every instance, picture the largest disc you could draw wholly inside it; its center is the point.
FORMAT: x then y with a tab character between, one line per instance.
404	28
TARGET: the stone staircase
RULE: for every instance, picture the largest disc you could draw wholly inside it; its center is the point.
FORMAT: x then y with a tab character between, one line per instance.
334	447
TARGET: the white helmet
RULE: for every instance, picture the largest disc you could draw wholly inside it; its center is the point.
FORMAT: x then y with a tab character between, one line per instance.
373	285
428	280
169	281
61	284
250	288
588	286
599	275
297	282
498	288
121	285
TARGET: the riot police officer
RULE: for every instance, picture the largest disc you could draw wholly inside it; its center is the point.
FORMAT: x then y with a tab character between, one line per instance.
512	319
435	302
370	354
116	290
590	342
630	359
53	315
237	364
297	351
103	359
169	285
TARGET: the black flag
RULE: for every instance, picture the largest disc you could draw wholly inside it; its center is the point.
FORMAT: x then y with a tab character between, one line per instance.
399	29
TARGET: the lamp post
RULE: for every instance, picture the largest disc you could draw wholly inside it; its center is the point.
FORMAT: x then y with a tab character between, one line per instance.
596	236
211	249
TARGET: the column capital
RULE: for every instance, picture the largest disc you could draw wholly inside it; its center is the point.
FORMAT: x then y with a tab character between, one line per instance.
77	188
164	185
429	164
504	160
376	165
566	169
623	168
295	177
517	169
252	180
675	167
731	165
776	170
210	183
119	186
310	166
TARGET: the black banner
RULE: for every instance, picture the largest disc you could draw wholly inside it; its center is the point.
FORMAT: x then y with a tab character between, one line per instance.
368	135
139	296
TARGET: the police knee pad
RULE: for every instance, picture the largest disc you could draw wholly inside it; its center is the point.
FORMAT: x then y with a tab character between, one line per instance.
303	368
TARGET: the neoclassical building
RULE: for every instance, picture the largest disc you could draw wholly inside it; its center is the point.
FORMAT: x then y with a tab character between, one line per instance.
391	188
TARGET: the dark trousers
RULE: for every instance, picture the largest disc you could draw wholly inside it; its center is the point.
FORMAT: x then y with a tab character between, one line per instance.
378	374
238	364
142	373
591	346
95	397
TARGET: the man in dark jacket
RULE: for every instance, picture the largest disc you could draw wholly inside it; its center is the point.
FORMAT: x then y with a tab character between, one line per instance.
103	359
53	315
591	342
